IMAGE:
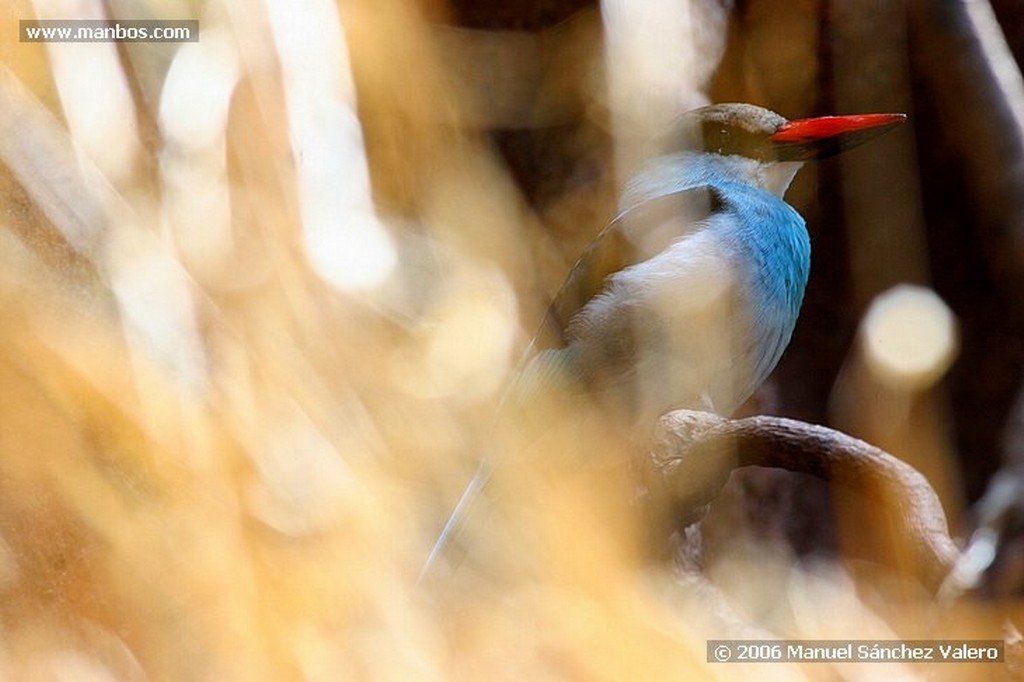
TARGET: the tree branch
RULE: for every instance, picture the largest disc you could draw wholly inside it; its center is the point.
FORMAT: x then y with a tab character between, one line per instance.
694	453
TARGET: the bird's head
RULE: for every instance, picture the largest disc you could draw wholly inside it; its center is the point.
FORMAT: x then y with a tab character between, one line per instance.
767	148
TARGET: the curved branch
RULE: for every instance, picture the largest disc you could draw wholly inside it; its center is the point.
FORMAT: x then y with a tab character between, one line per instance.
694	453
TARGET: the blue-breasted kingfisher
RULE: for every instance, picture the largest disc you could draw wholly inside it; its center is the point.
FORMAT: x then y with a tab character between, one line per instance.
689	297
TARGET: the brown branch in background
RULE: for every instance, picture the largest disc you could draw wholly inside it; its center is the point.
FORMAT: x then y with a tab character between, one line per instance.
979	101
975	104
694	453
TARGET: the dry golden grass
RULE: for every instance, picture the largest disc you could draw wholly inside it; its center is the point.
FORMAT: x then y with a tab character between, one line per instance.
221	459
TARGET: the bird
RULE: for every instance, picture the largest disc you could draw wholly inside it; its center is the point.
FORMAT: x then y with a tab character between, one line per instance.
690	295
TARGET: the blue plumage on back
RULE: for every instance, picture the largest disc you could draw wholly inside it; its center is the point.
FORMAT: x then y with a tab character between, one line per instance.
774	244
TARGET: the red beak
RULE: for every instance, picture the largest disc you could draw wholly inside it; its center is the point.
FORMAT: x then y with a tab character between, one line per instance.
816	138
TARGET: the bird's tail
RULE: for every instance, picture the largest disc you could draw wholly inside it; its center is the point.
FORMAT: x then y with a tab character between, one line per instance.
456	521
534	378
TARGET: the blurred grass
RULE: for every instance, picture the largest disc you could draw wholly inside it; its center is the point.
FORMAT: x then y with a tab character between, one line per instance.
214	464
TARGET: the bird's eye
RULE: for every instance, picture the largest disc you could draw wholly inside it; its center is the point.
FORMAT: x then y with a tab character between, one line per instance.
720	140
720	137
